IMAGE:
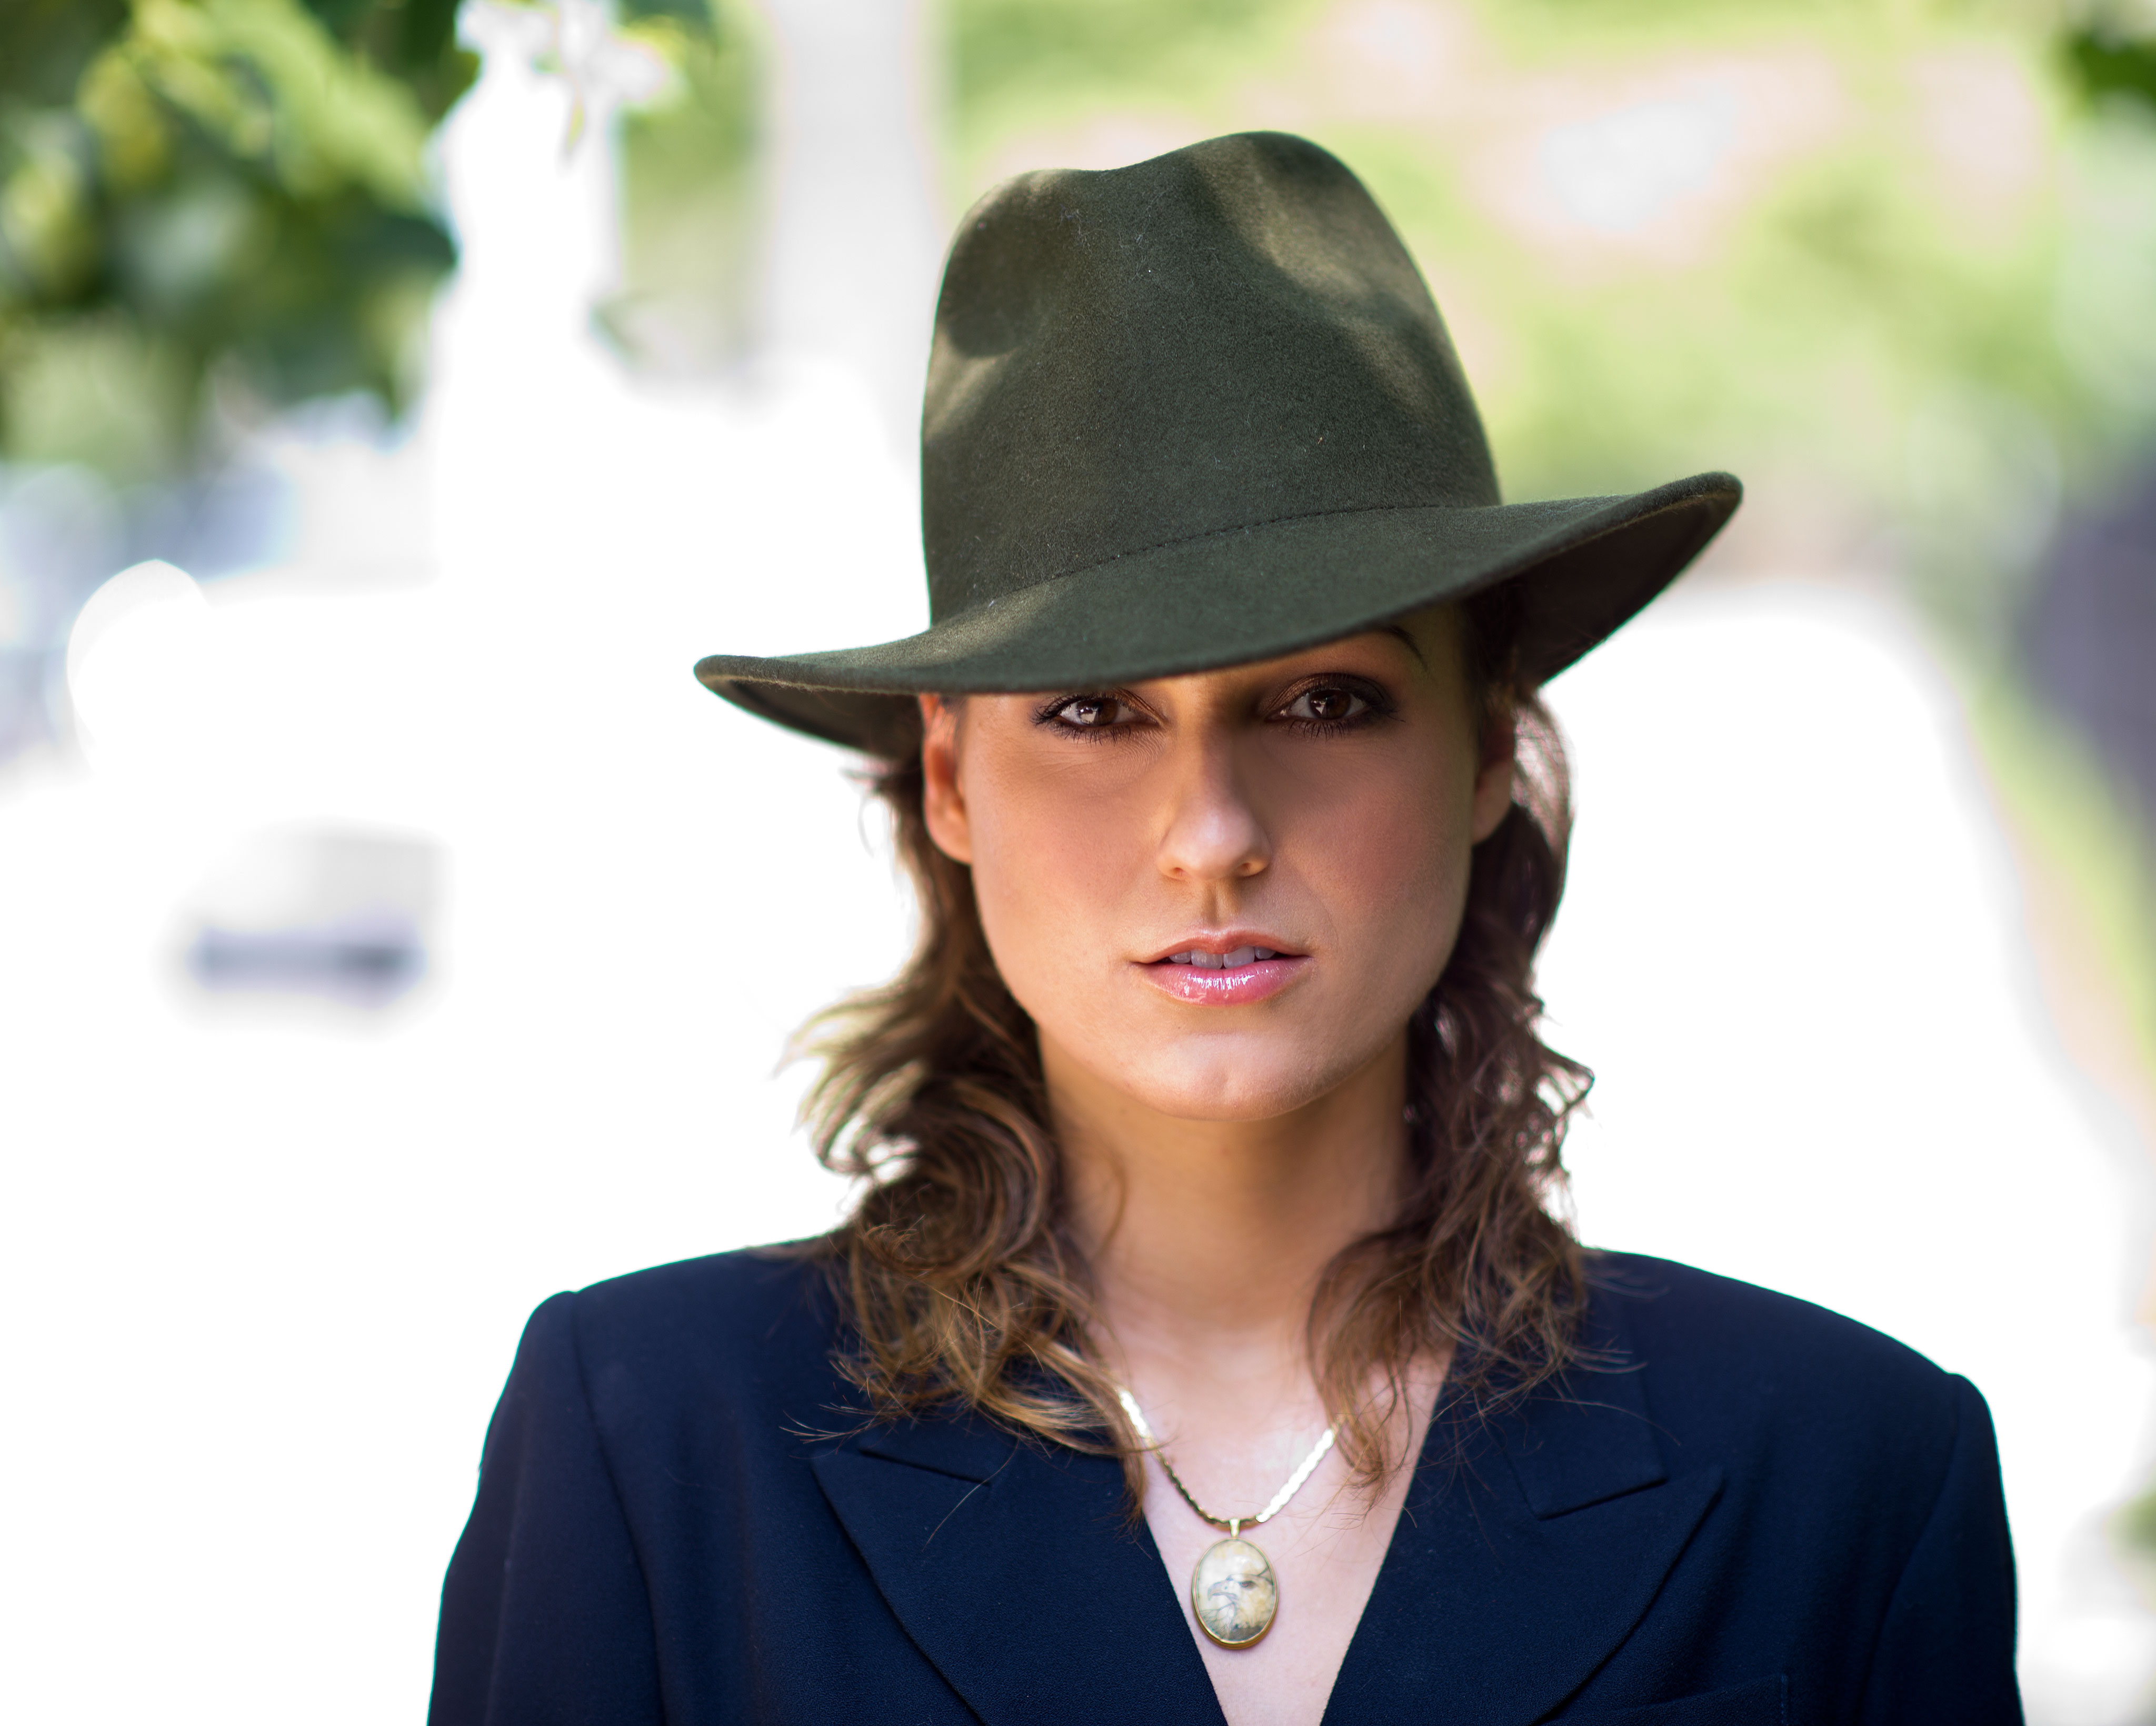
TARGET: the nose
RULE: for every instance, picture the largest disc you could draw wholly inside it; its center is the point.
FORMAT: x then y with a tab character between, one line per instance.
1210	831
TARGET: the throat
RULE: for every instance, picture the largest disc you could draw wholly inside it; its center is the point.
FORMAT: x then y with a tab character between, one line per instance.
1217	1232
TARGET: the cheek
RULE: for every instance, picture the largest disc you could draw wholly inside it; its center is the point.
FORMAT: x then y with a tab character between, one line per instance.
1051	868
1390	863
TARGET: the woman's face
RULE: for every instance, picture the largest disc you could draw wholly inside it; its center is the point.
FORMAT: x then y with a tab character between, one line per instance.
1222	895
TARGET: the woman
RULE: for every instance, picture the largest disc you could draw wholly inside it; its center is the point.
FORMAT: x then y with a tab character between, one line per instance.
1202	1344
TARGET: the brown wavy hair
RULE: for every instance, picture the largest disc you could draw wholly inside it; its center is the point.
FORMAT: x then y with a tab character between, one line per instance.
958	1270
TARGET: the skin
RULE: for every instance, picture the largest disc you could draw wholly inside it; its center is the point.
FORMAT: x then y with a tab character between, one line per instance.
1218	1156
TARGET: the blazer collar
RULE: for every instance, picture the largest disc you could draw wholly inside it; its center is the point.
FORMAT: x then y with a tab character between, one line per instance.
1529	1547
1015	1570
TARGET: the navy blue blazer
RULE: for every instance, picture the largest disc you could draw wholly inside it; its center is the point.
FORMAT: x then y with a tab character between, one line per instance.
1773	1514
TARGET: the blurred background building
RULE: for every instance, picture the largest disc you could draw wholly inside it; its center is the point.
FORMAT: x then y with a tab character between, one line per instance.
397	396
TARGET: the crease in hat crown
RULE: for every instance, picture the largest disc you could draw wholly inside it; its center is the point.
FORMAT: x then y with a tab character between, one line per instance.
1200	410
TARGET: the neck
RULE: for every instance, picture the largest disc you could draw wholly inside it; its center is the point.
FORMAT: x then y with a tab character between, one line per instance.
1207	1238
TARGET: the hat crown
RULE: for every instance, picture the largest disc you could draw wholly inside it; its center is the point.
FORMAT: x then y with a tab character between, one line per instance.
1225	336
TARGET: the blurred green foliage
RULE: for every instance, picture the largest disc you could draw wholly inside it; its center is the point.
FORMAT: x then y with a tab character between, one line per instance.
1011	57
212	191
2107	58
230	200
689	204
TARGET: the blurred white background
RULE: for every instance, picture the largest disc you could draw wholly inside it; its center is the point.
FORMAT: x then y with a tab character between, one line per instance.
268	1253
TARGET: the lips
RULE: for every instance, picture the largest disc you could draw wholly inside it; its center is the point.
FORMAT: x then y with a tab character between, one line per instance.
1230	971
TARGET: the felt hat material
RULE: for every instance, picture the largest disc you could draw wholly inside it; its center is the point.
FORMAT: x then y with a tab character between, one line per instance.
1199	411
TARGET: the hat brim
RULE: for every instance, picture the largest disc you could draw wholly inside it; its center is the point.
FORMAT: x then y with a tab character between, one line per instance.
1585	565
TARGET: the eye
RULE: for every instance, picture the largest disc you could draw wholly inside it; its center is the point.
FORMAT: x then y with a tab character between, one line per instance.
1328	705
1088	713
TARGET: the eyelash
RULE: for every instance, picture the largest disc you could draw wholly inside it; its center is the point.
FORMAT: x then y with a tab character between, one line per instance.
1376	706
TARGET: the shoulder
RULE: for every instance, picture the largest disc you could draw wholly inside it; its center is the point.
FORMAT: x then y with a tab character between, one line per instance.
734	1300
751	1328
1853	1528
1729	1367
1683	1323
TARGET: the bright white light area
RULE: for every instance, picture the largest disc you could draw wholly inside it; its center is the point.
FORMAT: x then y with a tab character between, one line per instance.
135	657
1793	950
1618	172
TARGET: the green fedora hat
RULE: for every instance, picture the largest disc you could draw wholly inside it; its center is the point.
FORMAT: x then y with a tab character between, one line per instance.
1198	412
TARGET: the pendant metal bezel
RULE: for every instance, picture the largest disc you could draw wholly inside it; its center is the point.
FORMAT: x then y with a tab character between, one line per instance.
1264	1573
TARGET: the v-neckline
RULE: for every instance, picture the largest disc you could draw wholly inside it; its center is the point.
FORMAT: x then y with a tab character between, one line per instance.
1428	1424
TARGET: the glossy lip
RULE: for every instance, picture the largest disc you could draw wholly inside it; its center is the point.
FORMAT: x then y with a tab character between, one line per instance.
1244	986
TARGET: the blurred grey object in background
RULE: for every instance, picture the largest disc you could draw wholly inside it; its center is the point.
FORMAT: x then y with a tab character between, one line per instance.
334	914
2091	635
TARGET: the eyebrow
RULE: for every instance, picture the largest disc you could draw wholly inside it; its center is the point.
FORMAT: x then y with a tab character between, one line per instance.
1400	632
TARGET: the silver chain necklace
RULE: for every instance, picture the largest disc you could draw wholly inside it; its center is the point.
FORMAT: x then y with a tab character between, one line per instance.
1233	1590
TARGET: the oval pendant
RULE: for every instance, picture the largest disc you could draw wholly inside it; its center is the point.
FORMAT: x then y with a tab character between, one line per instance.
1233	1592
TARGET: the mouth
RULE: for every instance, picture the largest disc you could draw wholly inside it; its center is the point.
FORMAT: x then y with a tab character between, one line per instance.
1235	970
1233	960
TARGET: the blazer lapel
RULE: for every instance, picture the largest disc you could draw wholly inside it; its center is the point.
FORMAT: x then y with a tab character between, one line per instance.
1529	1547
1015	1571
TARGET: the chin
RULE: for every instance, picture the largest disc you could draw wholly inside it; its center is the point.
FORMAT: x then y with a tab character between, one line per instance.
1253	1085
